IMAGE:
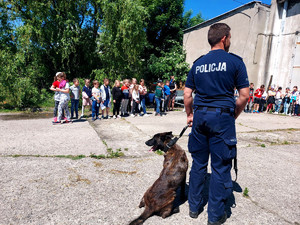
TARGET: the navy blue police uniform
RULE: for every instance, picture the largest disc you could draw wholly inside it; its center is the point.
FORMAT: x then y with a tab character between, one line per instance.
213	77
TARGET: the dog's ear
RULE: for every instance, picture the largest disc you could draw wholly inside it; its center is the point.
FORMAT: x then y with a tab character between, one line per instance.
168	135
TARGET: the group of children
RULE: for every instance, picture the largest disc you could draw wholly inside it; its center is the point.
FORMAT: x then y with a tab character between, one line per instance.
94	97
129	99
165	94
275	100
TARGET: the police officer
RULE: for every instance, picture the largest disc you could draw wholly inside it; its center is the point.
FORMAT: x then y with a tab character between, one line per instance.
213	78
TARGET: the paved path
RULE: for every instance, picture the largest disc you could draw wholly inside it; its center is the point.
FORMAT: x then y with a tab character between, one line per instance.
41	184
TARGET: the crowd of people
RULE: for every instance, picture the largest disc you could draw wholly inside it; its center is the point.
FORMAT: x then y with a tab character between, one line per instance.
128	98
275	100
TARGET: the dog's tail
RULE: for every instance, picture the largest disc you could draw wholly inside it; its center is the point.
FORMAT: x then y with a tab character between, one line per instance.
141	219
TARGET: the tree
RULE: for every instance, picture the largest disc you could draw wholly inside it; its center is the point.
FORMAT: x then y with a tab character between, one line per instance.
163	24
170	63
46	37
189	21
123	38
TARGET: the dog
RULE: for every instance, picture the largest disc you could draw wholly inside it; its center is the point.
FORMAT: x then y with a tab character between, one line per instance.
159	198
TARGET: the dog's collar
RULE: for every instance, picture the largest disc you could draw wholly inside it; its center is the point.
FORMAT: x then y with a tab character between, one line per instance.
171	143
174	140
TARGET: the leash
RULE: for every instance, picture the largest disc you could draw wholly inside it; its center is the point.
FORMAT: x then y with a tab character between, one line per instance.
235	167
174	140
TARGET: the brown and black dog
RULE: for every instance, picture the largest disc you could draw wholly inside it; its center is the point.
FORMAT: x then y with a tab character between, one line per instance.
159	198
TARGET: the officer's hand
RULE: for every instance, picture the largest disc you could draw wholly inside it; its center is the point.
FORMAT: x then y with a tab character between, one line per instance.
190	120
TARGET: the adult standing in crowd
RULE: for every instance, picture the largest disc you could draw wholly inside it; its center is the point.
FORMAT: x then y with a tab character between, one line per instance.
173	88
213	121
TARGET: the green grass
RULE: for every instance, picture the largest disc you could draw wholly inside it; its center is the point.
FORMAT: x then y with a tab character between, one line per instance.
97	156
73	157
286	143
257	139
111	154
114	154
263	145
159	152
246	192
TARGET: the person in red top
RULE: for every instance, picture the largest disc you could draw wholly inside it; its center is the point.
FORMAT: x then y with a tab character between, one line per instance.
125	97
54	86
257	97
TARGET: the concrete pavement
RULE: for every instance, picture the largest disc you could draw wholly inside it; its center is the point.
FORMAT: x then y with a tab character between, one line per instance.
38	187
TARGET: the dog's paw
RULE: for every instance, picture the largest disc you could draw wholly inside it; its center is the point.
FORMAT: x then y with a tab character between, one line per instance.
176	210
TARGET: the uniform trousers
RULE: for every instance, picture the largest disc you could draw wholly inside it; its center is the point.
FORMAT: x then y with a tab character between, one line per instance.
213	133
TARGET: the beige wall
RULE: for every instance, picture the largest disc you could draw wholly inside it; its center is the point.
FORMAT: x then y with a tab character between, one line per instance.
284	45
262	37
246	24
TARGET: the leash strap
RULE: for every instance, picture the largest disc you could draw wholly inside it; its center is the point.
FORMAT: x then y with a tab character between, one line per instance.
183	130
235	168
174	140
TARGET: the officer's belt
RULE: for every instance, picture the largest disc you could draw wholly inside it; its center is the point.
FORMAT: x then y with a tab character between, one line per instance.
212	109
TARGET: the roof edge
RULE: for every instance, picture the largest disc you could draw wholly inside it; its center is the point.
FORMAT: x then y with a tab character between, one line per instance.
224	14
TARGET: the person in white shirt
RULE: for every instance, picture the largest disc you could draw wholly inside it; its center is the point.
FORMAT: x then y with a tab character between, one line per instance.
96	100
135	100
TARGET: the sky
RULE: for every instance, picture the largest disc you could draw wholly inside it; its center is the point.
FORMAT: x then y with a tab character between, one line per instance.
212	8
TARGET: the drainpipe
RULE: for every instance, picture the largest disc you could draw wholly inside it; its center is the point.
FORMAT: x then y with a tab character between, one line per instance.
279	48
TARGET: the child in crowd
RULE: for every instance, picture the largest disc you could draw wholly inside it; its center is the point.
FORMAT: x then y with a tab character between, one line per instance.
249	105
278	100
86	96
117	98
96	93
158	96
143	92
75	92
257	98
106	94
263	101
167	94
286	101
136	100
294	101
125	97
271	99
64	98
133	82
54	86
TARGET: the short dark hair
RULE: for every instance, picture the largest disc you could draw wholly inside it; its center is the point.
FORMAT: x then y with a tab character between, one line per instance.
216	32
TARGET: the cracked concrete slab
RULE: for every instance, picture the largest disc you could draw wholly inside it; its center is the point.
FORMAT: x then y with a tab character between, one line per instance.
108	191
41	137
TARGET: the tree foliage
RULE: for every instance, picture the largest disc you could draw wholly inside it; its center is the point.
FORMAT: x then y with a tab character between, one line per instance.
123	37
87	39
169	63
189	21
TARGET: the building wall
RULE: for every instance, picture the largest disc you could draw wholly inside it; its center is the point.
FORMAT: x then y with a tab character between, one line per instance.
283	62
262	36
246	24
